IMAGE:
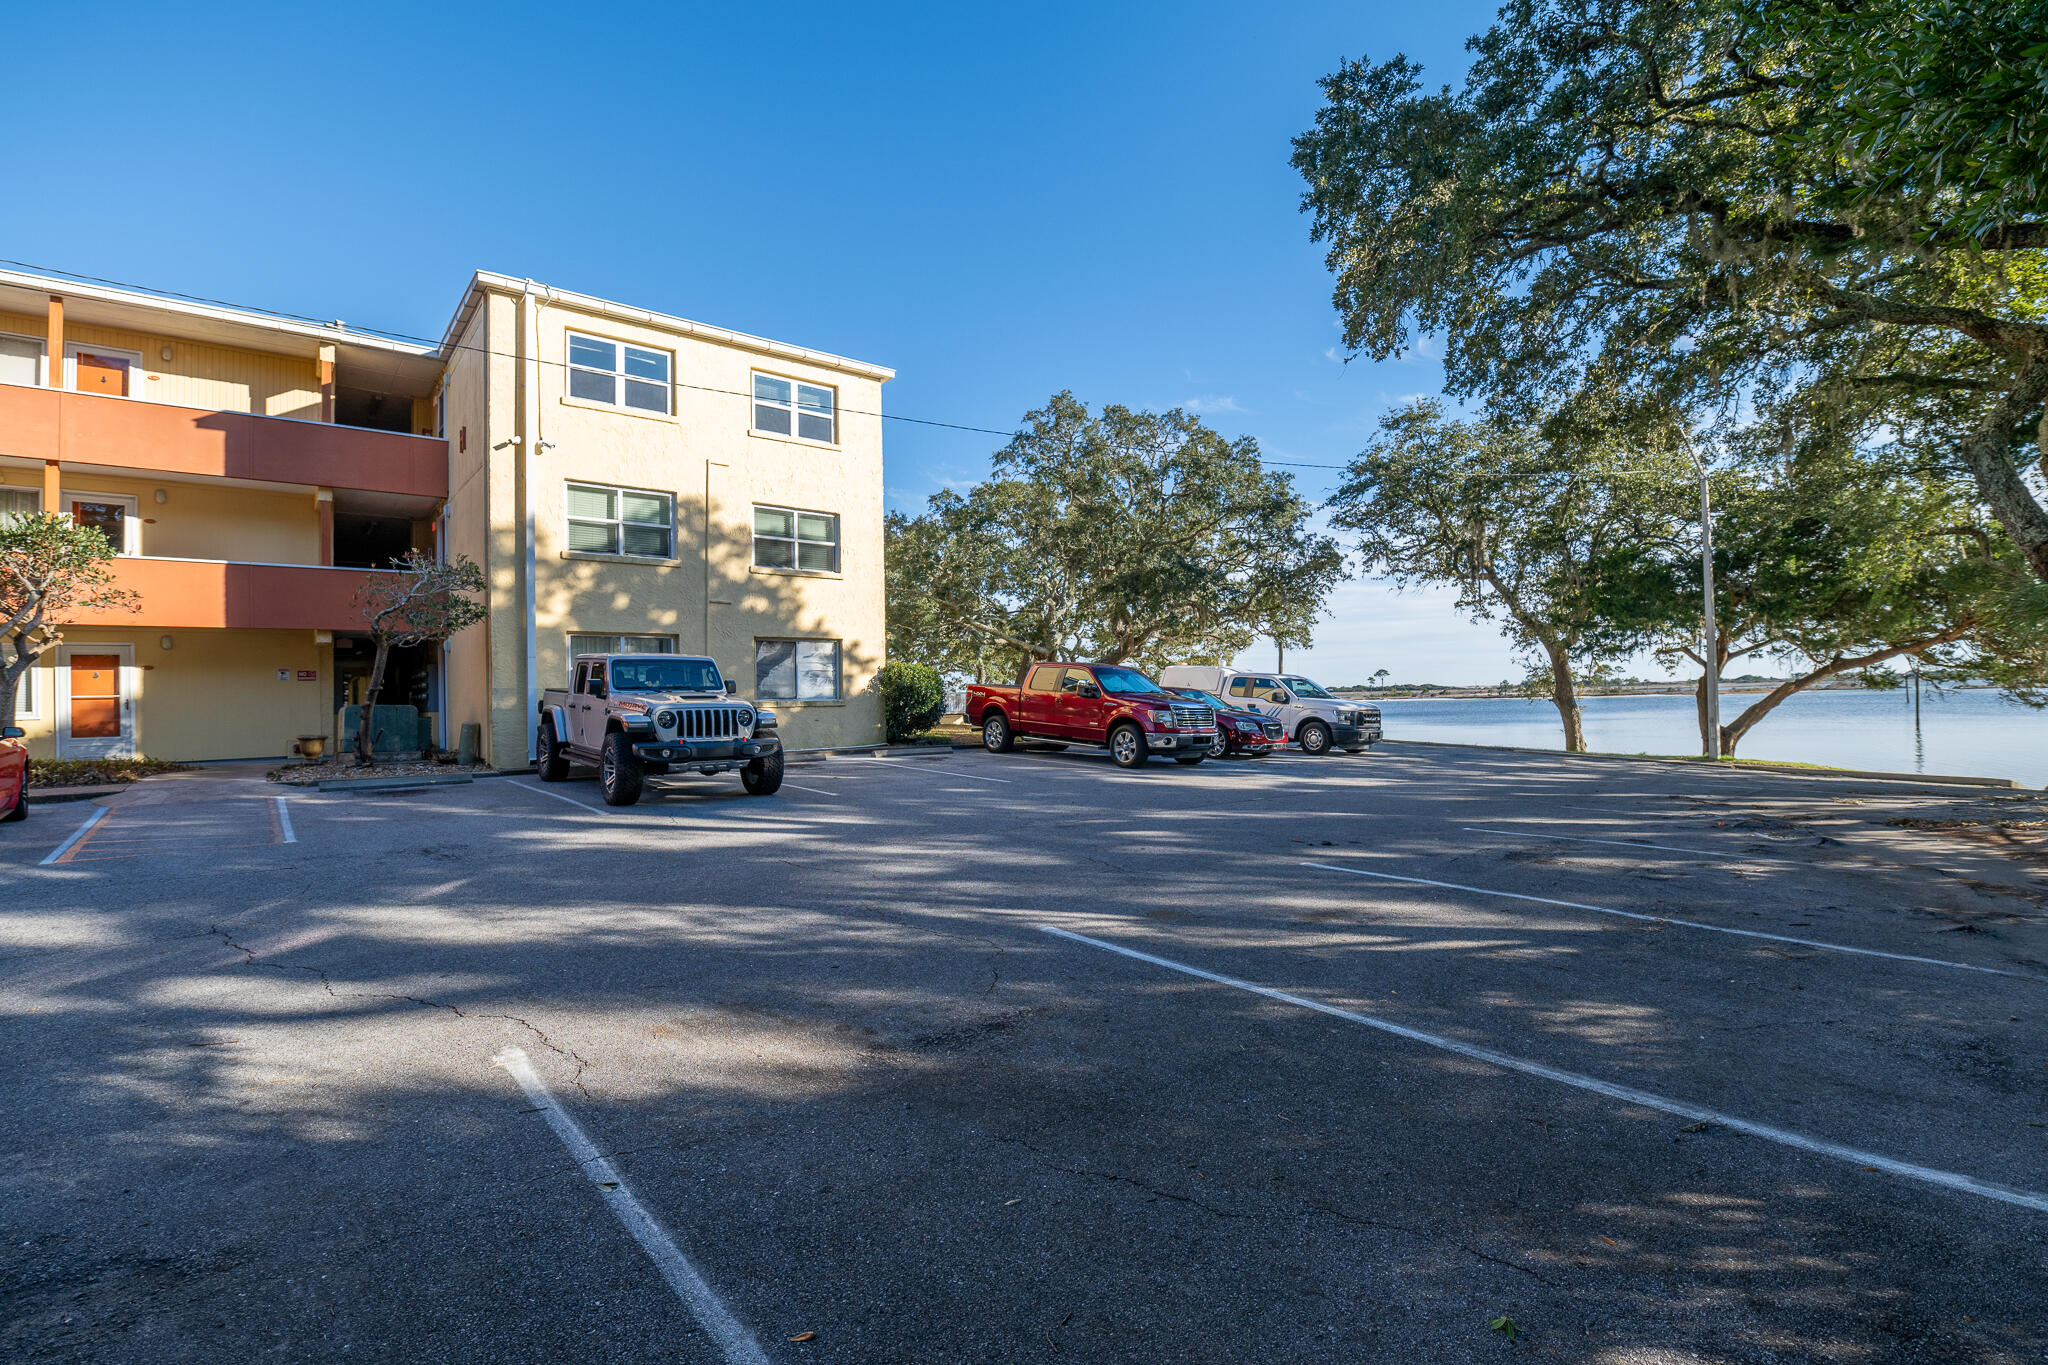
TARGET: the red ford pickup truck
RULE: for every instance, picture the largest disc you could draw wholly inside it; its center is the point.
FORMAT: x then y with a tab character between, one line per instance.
1116	708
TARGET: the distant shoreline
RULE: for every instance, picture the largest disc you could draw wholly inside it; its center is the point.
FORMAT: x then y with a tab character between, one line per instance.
1655	690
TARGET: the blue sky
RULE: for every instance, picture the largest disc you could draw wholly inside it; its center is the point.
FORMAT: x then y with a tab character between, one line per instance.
998	204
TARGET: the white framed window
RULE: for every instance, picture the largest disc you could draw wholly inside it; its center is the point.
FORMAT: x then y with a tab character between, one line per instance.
602	520
20	502
788	408
796	670
621	644
785	538
602	371
113	515
21	360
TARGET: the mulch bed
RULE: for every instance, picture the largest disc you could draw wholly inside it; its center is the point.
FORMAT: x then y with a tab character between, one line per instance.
345	770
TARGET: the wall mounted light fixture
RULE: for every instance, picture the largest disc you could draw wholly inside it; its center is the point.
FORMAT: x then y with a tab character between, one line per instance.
164	641
162	496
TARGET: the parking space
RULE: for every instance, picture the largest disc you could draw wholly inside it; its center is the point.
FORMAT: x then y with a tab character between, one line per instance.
1026	1057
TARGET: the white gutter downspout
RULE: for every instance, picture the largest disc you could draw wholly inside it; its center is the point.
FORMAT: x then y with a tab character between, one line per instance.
529	441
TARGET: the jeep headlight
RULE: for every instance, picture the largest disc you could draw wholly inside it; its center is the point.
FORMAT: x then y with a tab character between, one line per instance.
665	719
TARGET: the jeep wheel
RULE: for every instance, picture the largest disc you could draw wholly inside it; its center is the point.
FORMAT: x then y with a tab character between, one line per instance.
995	733
763	777
619	774
1127	746
1219	747
554	764
1315	737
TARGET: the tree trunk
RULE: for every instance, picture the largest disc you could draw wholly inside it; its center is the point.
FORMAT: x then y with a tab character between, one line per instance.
1731	734
10	688
1567	700
1987	452
11	674
366	737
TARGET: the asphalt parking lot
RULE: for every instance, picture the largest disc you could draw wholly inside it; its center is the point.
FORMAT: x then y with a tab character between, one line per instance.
1023	1058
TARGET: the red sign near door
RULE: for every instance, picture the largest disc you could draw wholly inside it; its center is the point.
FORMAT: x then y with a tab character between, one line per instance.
309	675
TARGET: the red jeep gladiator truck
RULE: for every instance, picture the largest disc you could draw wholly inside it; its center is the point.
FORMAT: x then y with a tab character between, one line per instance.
1106	705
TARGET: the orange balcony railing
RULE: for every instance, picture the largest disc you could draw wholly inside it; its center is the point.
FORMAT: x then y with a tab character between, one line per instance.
210	593
129	433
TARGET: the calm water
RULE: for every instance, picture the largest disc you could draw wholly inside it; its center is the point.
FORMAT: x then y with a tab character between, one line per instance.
1972	733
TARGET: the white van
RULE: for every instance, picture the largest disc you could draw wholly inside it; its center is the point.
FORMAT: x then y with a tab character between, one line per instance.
1315	720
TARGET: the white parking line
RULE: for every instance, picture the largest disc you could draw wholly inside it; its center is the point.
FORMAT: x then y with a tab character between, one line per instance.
99	813
543	791
1006	781
1700	854
284	822
1680	923
1628	1094
802	788
712	1315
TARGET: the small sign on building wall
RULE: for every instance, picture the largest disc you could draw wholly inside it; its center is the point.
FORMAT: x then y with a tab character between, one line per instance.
309	675
284	675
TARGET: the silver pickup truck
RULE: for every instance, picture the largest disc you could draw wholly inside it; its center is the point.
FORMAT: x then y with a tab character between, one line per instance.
636	715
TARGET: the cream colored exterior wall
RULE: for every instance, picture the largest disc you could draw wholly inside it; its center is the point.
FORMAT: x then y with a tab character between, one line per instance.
467	528
213	694
203	520
707	594
220	378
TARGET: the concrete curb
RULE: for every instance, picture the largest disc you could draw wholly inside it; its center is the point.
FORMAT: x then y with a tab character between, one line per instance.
392	784
1787	769
45	796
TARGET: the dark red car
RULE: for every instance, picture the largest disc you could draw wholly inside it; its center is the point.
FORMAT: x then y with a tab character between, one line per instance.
13	775
1115	708
1238	731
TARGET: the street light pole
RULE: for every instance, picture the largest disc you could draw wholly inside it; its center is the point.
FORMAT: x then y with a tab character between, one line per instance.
1709	629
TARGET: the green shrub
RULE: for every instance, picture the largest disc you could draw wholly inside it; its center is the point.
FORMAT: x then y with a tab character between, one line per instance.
913	696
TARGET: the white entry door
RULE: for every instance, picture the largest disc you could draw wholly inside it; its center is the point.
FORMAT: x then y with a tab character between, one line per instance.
95	701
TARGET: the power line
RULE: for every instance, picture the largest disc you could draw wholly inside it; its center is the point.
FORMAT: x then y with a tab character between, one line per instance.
508	355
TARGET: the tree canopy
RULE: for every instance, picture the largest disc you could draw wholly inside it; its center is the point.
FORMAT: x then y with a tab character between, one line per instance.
1841	198
1563	537
1119	536
50	566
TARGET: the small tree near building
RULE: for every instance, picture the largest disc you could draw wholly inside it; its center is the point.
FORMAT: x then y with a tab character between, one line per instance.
50	568
419	600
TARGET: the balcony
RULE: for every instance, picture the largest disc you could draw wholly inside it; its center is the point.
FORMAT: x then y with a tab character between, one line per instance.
222	595
89	429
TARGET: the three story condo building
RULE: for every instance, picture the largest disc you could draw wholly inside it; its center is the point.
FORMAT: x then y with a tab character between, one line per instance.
627	480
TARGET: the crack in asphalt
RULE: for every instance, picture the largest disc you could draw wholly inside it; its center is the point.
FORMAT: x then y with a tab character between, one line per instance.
1313	1209
250	959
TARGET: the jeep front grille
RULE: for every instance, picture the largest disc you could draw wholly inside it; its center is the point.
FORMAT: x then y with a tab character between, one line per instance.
711	722
1194	717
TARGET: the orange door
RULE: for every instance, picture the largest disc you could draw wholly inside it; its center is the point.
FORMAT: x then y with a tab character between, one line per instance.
95	696
102	373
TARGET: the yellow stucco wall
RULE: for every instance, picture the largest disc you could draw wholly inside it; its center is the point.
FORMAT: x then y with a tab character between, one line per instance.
213	694
707	594
220	378
467	525
203	520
